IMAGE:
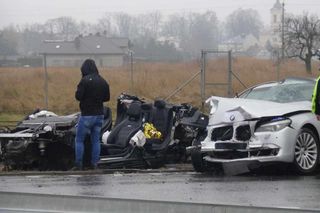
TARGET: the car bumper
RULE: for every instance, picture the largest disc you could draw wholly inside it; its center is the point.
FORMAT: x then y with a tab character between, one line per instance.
262	147
248	159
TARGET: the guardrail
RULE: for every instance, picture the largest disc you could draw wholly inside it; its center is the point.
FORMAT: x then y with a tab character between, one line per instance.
27	202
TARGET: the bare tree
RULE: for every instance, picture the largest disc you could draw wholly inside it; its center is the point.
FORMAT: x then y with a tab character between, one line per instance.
176	26
194	31
203	31
146	26
137	29
106	25
8	41
65	27
50	26
244	22
153	23
301	37
31	37
123	22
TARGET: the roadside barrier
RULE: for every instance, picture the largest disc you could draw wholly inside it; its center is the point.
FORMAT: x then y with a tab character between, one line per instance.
28	202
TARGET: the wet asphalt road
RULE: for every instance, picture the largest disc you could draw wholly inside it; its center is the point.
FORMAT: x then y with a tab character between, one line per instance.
250	189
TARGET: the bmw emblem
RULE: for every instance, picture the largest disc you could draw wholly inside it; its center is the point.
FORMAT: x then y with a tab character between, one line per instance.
232	117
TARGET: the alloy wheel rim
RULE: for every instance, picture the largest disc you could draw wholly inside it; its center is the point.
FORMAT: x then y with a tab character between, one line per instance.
306	152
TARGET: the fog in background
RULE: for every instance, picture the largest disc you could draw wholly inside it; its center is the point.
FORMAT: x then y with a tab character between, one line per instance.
31	11
164	30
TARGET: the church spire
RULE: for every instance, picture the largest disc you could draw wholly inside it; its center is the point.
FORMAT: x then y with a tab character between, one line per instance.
277	5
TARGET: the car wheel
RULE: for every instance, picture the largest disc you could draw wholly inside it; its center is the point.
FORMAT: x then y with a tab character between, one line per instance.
198	163
306	153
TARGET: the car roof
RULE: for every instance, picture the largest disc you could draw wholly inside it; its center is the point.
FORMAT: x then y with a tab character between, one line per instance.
287	80
298	79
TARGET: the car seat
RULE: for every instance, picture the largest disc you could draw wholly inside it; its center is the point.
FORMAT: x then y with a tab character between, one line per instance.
161	118
146	111
118	140
107	119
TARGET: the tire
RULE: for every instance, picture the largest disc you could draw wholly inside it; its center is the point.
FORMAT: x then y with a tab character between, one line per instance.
306	152
198	163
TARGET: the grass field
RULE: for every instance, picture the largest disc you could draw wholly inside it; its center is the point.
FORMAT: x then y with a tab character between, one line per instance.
22	89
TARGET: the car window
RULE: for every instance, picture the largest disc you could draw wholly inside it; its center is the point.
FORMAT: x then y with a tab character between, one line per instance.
283	92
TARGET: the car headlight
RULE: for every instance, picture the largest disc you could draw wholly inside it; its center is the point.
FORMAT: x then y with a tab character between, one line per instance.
274	126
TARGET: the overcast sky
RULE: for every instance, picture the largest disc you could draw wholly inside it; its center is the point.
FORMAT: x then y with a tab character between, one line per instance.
31	11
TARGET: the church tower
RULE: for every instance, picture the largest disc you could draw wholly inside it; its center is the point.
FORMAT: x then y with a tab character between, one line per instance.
276	21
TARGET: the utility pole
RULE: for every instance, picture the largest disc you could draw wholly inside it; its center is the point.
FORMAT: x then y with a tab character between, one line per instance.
282	32
131	71
229	73
45	81
203	78
278	62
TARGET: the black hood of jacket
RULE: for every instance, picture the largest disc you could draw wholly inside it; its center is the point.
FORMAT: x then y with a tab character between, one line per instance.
88	67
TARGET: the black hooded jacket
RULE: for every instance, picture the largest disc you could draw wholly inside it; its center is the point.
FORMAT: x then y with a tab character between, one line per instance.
92	90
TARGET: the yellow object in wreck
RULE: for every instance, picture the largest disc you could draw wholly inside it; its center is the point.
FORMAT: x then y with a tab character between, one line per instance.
151	132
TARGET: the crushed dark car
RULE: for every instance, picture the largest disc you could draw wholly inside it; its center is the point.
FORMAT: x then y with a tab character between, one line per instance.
45	141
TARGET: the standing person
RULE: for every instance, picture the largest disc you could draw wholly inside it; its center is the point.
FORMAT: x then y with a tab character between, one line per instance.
91	92
316	99
316	93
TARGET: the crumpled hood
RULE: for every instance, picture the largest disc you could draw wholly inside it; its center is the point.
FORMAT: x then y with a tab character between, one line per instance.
229	110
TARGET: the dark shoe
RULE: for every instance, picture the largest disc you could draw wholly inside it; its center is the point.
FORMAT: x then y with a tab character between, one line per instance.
76	168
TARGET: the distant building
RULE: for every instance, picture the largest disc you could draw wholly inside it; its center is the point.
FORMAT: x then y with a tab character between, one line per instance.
239	43
107	52
8	60
269	39
276	23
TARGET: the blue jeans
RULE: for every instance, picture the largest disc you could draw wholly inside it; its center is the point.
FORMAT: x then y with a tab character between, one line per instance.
88	125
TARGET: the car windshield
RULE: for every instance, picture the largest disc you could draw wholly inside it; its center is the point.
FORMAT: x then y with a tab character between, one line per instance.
290	90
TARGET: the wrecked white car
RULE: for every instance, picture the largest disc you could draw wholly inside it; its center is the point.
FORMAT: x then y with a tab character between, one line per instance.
267	123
